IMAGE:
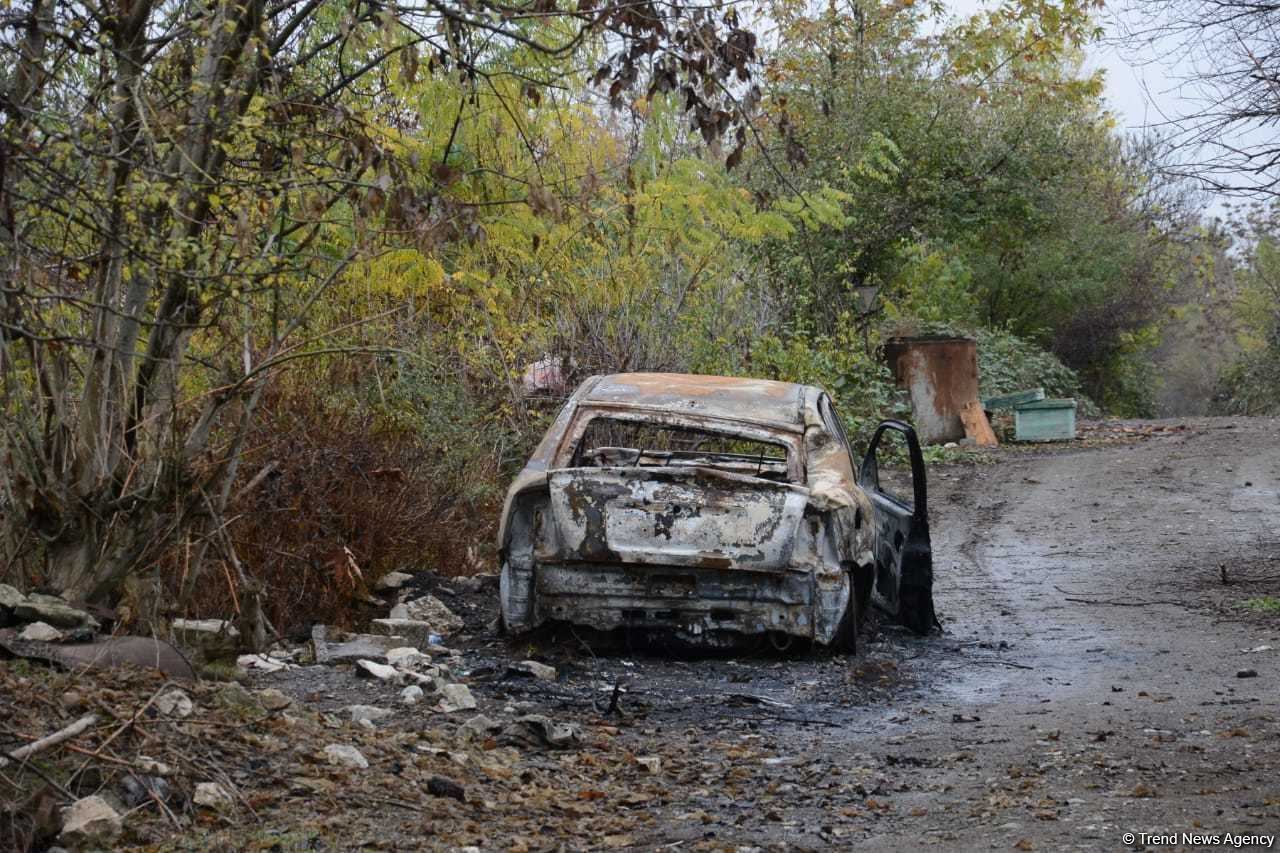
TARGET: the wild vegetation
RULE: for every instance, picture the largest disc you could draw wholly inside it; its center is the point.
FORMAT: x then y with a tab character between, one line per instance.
273	273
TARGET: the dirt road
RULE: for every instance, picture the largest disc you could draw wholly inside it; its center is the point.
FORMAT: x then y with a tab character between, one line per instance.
1086	684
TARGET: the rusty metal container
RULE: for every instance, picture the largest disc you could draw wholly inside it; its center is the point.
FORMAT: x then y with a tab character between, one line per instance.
941	375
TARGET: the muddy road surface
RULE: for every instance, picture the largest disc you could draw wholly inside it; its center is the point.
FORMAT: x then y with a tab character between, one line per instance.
1100	682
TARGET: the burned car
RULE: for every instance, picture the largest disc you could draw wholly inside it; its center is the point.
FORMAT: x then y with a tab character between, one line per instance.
708	508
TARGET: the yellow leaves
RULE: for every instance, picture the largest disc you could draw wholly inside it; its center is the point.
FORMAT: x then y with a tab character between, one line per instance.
398	274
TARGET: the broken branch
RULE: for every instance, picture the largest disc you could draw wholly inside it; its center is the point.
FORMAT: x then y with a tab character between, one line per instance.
25	752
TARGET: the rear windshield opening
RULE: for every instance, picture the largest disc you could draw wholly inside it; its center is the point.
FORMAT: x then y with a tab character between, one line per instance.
610	442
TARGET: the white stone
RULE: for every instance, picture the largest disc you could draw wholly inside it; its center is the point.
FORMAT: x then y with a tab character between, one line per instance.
392	580
151	767
414	631
40	632
380	671
652	763
210	637
434	612
372	713
540	671
90	822
262	663
174	703
400	611
455	697
411	694
407	657
10	597
213	796
476	728
345	756
55	611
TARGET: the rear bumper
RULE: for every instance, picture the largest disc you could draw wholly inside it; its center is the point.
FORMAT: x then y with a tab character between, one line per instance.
692	603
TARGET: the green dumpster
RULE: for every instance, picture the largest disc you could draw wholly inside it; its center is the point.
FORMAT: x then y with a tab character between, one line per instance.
1045	420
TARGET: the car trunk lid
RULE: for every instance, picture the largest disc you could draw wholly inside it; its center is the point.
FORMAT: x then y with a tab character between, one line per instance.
674	516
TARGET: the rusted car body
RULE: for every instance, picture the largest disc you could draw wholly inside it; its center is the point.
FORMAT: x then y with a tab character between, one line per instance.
709	508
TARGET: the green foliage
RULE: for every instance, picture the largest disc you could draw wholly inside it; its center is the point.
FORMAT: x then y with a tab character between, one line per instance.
1007	363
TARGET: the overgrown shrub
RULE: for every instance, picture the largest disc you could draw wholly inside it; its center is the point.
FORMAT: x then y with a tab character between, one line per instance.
1007	363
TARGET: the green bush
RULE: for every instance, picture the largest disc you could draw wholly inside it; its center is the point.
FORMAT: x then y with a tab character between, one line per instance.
1007	363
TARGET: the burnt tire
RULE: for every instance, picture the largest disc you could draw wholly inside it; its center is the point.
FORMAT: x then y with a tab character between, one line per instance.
915	609
846	638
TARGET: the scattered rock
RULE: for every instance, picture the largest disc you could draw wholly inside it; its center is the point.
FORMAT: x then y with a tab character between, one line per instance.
652	763
273	699
415	631
213	796
380	671
55	611
1247	673
369	646
455	697
410	695
372	713
478	727
535	730
407	657
392	581
434	612
137	790
234	695
344	755
440	786
400	611
262	663
90	822
211	638
72	700
174	703
10	597
476	583
40	632
540	671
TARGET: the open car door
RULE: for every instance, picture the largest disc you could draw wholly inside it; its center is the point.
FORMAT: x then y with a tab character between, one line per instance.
903	553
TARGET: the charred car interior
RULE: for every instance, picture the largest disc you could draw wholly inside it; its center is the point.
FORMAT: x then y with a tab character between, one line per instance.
709	509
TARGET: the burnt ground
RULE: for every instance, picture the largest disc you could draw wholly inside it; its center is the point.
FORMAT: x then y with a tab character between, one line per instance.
1085	685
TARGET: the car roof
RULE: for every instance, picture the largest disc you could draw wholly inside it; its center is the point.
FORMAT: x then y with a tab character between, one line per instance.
729	397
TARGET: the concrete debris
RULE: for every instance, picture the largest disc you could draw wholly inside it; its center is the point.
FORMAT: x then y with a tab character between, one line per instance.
392	581
416	632
40	632
174	703
455	697
345	755
372	713
273	700
214	797
370	646
435	612
211	638
380	671
90	822
407	657
531	668
535	730
410	695
55	611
